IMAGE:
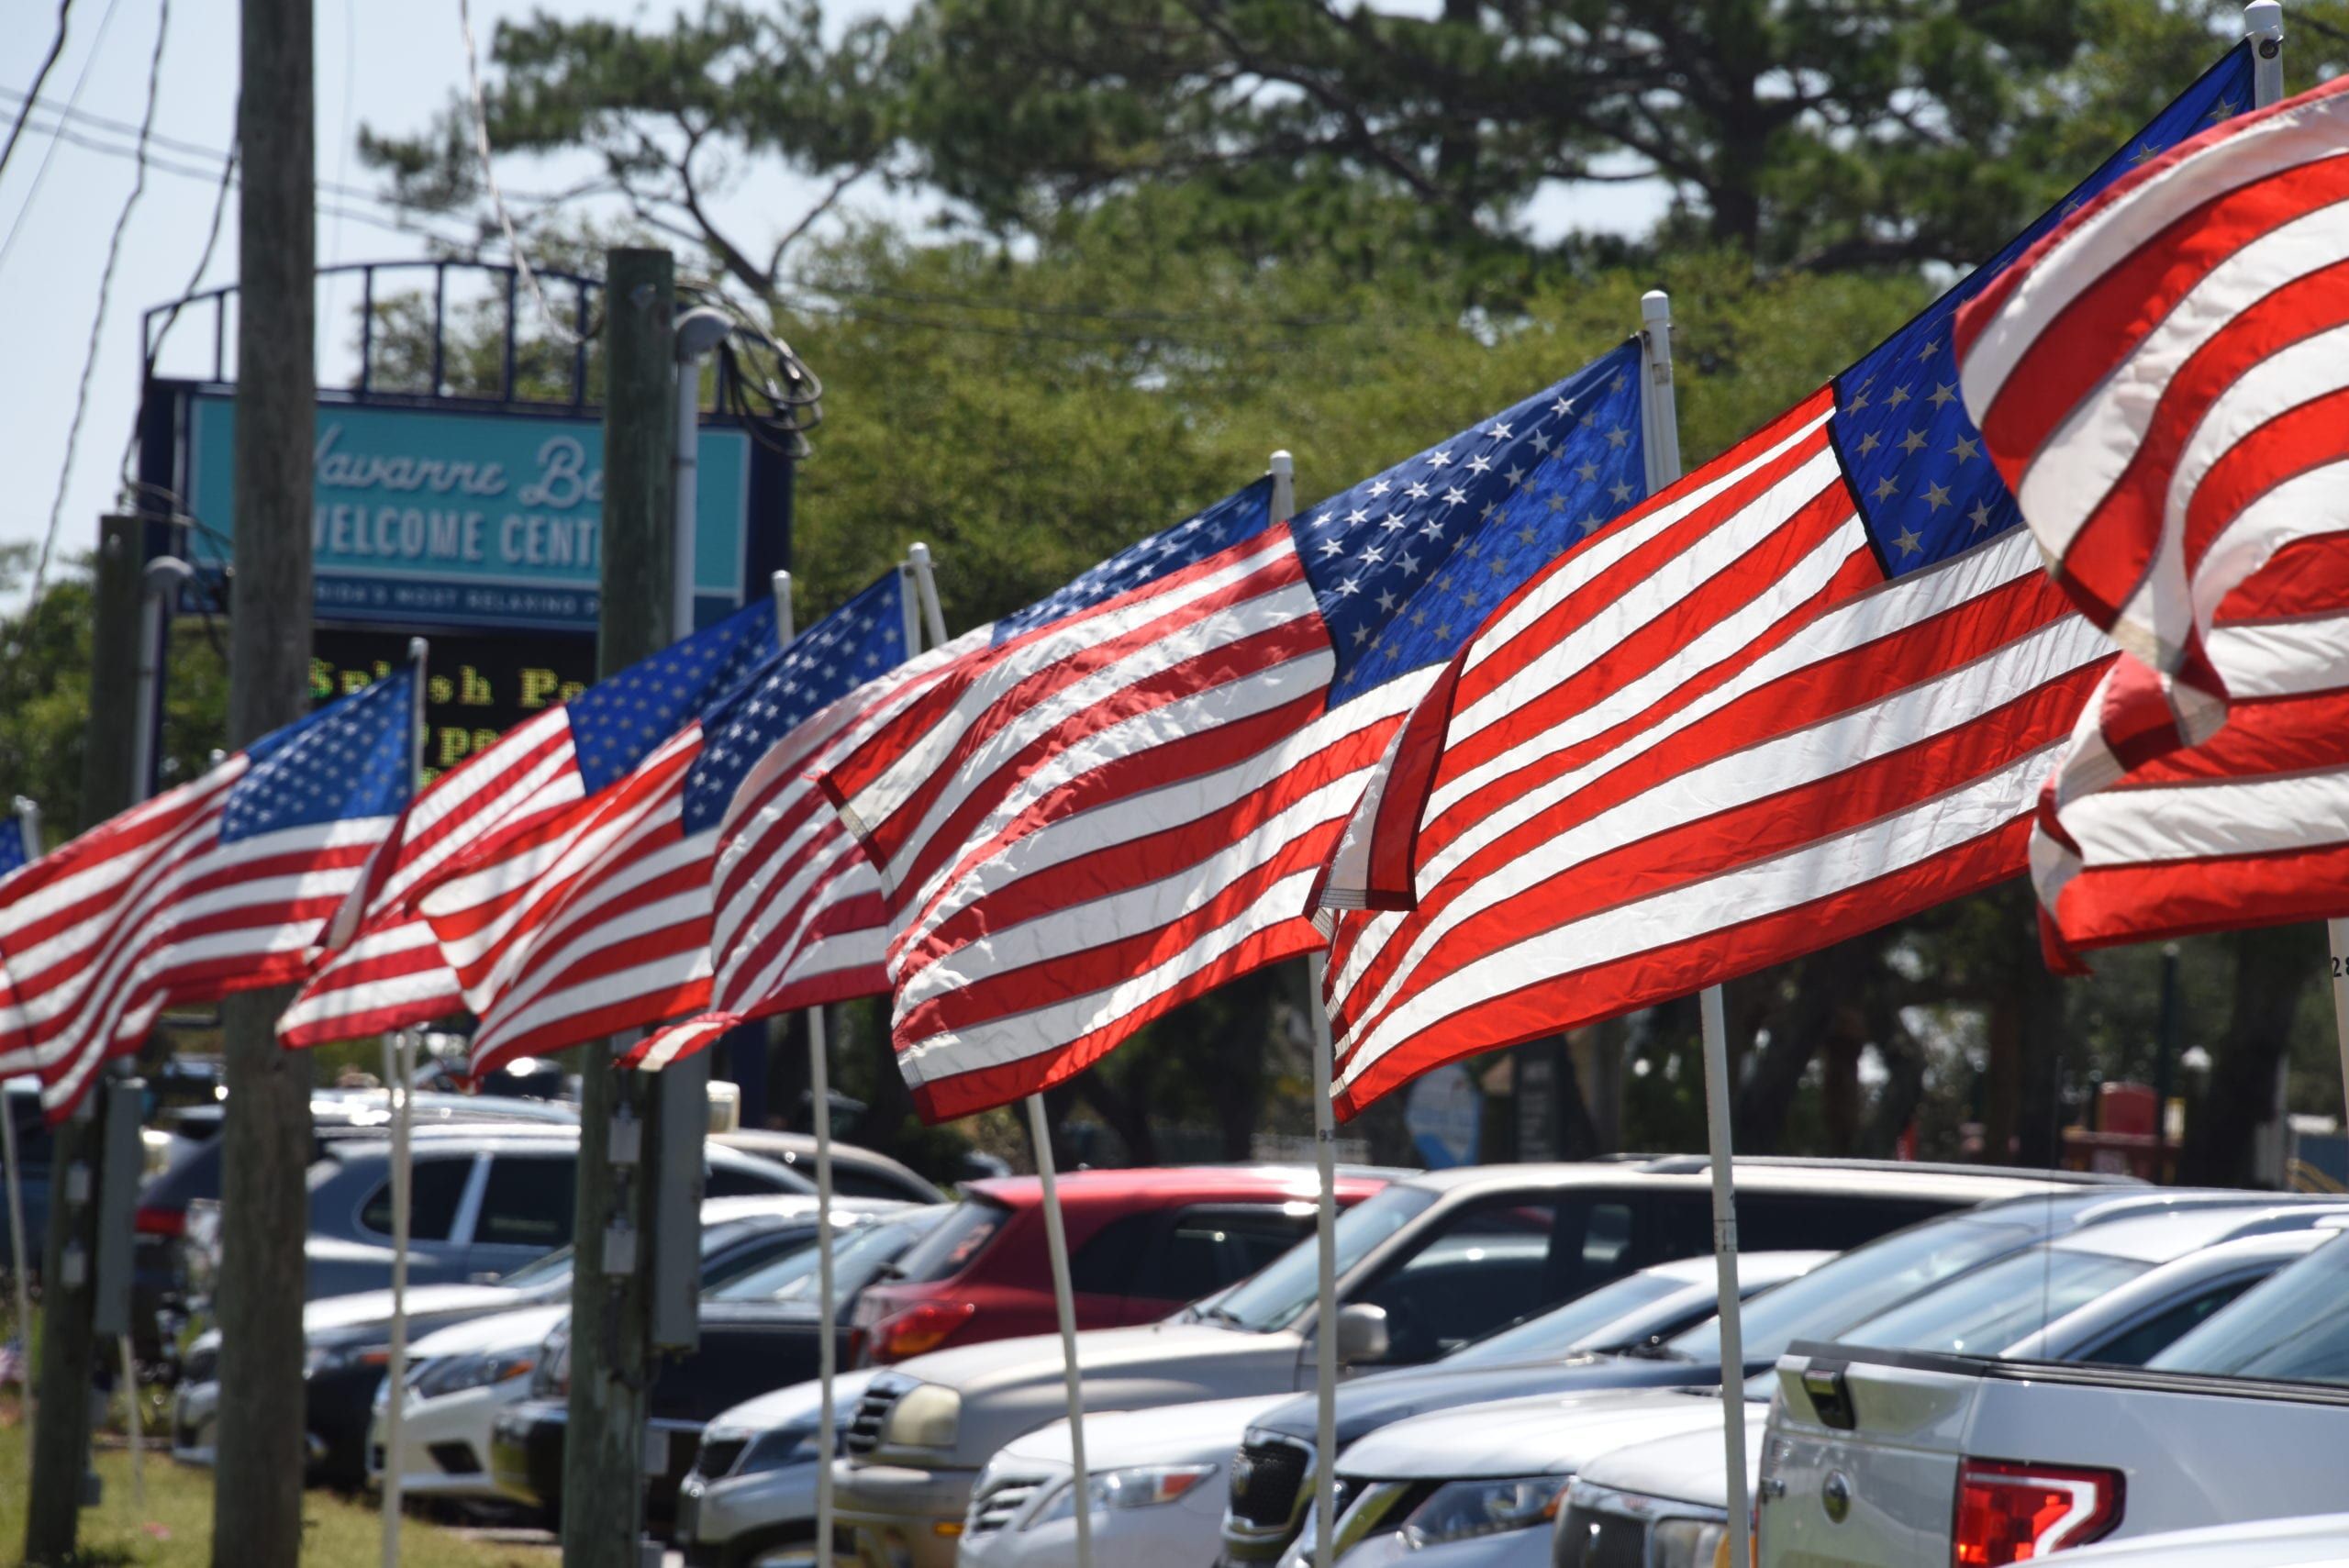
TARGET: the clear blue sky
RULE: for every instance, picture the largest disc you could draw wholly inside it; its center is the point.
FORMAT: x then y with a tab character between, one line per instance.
388	65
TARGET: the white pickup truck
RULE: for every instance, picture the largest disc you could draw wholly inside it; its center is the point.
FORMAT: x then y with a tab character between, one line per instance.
1886	1456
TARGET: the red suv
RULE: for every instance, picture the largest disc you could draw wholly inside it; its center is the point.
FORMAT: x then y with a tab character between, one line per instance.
1140	1244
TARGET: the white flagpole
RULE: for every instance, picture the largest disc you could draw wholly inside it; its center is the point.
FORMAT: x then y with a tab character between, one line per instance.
1325	1140
1056	1244
925	580
399	1083
1663	432
28	823
819	1079
2263	24
779	587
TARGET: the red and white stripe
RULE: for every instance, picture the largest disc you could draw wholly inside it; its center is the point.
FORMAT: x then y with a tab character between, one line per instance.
391	973
2249	828
2164	382
150	909
611	931
799	918
1712	738
1106	816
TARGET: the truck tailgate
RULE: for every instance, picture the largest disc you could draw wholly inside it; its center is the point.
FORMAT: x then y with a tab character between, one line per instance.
1861	1462
1878	1495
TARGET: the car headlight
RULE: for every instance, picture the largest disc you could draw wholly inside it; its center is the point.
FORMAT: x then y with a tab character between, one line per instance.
444	1375
320	1360
1462	1510
1142	1487
551	1379
1691	1543
925	1416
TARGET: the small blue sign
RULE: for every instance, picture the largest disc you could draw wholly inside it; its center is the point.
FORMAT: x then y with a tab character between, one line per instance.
429	518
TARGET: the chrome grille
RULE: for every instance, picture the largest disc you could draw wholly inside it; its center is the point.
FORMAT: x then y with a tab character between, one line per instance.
998	1502
1268	1476
1594	1537
716	1459
872	1416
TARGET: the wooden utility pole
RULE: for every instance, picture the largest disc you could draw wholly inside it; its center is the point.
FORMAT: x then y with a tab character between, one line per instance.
611	1340
69	1261
265	1139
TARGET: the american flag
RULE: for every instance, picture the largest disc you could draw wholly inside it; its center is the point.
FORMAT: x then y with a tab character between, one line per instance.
797	919
226	883
1807	690
2164	383
614	932
12	847
490	821
1125	800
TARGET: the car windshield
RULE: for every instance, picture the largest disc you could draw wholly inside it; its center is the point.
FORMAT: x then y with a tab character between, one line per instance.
1991	1307
553	1267
857	1256
1856	1286
2295	1327
1582	1322
953	1246
1281	1290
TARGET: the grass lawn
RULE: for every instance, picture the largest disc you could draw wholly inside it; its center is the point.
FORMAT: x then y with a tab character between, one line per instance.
174	1530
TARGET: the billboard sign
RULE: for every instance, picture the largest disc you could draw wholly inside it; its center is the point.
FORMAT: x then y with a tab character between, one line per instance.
433	518
475	688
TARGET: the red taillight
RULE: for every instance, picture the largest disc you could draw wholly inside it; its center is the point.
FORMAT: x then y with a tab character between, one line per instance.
917	1328
159	1222
2008	1512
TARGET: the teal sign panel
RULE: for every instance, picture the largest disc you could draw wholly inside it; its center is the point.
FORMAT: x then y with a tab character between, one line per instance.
425	518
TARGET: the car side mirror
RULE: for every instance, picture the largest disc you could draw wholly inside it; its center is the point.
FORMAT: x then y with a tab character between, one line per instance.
1362	1334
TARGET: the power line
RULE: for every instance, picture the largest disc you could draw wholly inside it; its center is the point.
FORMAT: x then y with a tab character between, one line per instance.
552	322
56	48
106	287
81	79
152	350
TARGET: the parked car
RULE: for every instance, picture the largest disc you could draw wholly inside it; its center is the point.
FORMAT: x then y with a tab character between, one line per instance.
1152	1477
1877	1421
2315	1543
1141	1242
1663	1501
1605	1338
164	1275
1922	1286
1424	1266
1022	1510
2242	1419
856	1172
481	1202
759	1333
751	1496
346	1339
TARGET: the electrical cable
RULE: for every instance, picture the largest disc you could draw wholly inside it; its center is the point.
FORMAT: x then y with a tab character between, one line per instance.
553	322
106	287
56	48
152	350
41	173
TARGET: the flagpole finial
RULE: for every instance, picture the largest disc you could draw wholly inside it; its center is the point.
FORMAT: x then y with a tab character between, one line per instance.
779	591
1655	308
416	648
1283	469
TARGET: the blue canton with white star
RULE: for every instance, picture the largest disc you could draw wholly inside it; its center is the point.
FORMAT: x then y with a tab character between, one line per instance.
1410	562
862	639
1914	459
353	757
616	722
1242	515
12	845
